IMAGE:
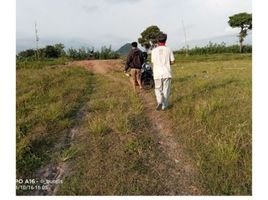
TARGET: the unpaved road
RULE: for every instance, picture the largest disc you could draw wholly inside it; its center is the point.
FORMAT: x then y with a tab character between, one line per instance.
100	66
161	126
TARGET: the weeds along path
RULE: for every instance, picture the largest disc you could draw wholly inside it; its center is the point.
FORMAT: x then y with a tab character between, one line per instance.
58	170
184	175
182	165
62	107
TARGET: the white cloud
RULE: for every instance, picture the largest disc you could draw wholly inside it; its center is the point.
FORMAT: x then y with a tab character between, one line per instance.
116	22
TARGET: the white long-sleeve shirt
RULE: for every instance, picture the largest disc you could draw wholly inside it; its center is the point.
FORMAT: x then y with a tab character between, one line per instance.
161	58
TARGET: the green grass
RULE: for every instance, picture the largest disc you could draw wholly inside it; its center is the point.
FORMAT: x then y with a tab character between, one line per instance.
115	152
211	57
48	99
38	64
119	155
211	114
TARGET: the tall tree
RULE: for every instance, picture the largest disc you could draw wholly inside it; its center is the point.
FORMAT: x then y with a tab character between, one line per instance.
242	21
149	36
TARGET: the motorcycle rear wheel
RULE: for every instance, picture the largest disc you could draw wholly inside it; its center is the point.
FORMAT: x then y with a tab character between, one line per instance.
148	83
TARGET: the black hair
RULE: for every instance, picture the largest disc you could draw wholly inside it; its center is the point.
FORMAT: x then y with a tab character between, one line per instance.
162	38
134	44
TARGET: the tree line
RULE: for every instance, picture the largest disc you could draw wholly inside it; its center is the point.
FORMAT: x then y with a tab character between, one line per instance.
57	51
214	48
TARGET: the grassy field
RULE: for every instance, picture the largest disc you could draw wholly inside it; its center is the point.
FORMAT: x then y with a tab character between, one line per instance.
211	113
38	64
47	101
211	57
115	152
118	154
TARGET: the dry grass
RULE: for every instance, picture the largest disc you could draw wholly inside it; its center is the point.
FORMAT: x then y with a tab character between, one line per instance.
115	152
211	114
120	155
47	101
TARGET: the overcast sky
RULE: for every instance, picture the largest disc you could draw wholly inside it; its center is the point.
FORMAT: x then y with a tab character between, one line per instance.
116	22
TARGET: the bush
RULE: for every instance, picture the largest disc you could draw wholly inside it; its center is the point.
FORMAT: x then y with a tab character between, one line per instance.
50	51
57	51
83	53
29	53
107	53
80	54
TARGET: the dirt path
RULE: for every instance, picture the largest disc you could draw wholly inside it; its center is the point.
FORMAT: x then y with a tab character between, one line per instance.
100	66
161	126
183	173
182	168
57	171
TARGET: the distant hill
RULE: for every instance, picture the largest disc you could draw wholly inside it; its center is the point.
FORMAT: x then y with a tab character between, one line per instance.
124	49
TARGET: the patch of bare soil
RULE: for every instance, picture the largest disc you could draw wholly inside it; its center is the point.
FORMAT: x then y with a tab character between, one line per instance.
100	66
52	174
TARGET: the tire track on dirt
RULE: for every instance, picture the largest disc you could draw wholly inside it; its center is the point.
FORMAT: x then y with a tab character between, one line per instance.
58	170
183	173
182	168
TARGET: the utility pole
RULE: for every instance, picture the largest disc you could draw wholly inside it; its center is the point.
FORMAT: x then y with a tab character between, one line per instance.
36	41
185	39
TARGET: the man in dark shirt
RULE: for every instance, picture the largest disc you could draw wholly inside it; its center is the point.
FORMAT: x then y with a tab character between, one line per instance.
135	61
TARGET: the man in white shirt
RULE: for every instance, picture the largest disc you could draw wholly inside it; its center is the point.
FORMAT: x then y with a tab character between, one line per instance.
162	57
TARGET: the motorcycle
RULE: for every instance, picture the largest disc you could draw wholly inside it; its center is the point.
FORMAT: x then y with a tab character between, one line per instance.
147	79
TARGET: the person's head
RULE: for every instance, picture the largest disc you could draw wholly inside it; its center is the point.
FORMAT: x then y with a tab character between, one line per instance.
162	38
134	44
